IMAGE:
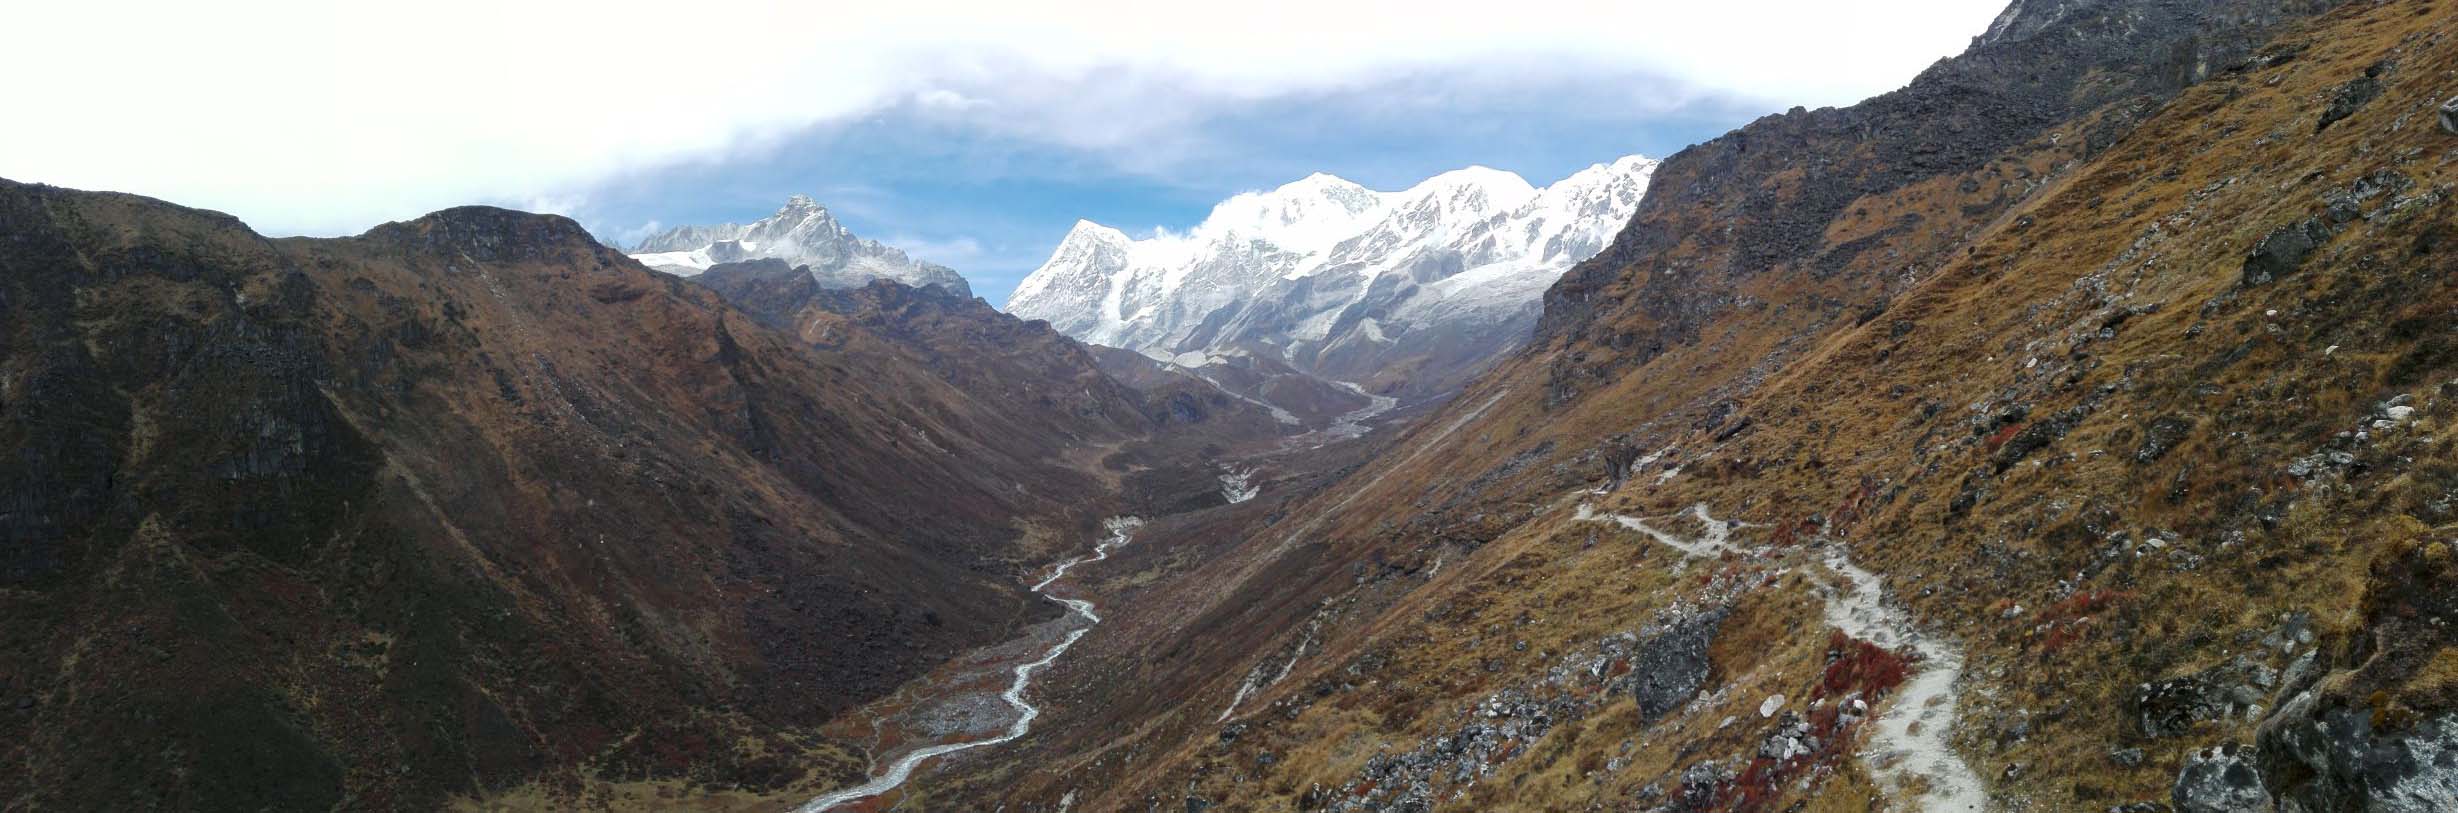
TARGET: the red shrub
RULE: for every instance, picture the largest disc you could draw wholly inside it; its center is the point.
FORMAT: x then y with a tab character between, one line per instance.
1856	665
1999	438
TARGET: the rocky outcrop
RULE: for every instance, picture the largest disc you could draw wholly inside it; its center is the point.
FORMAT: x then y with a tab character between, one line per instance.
1671	666
2221	779
2381	732
1739	206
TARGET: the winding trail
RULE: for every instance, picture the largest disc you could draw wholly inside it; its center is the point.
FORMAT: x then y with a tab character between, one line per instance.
1907	742
1910	740
1121	530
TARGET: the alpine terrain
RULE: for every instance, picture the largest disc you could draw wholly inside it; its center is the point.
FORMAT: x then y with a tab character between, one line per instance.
1408	293
2067	429
802	234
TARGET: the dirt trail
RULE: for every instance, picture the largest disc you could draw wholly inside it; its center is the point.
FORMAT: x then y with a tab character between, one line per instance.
1908	741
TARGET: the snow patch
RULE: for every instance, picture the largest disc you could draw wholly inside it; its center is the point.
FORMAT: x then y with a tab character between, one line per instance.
1237	486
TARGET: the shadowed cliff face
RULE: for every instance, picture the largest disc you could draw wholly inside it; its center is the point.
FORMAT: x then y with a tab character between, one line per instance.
1159	436
1782	195
465	502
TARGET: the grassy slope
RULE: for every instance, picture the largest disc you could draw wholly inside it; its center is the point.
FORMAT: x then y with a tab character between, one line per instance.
1892	426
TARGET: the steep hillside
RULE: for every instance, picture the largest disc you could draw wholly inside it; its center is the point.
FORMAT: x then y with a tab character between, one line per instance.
1155	433
2007	442
470	507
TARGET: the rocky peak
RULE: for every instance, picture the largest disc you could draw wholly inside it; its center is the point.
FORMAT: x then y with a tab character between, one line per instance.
801	233
487	233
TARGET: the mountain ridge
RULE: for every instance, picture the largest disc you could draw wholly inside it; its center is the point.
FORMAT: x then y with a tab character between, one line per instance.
475	494
1335	278
802	233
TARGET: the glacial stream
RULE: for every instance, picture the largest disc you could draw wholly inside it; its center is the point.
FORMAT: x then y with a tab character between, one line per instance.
1121	530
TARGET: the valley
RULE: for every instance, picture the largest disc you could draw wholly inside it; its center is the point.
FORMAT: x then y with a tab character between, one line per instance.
2067	428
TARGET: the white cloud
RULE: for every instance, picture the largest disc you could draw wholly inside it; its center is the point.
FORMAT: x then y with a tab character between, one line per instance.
317	116
632	235
955	252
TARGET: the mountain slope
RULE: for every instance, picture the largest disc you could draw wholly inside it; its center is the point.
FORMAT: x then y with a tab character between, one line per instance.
462	505
1150	430
802	233
2052	469
1408	291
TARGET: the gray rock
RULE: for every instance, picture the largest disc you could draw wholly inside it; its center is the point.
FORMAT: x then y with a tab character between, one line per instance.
2336	760
2170	708
2284	251
2449	116
2126	757
2162	435
1699	784
2220	780
1668	668
2352	96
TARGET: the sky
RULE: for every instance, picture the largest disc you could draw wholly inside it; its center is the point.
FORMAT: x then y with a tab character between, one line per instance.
970	134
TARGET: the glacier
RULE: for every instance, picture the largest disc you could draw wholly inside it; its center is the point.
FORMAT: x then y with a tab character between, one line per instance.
1410	292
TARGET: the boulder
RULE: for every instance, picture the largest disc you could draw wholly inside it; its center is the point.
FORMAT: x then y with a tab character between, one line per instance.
2326	757
2284	250
2449	116
2353	96
2223	779
1669	667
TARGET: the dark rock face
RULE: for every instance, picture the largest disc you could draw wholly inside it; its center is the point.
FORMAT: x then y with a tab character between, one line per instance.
2352	96
2284	250
1763	197
1668	668
2381	733
2170	708
1043	394
2221	780
2449	116
2335	759
2162	435
1028	367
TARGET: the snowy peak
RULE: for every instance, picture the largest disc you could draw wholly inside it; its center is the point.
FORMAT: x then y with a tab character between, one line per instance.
686	238
1322	271
1472	189
1303	216
803	233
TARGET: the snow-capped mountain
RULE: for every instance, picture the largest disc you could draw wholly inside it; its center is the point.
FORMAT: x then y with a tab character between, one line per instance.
804	234
1422	287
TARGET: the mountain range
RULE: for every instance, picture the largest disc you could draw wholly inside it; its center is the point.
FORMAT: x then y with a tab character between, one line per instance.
471	505
2067	430
1409	292
802	233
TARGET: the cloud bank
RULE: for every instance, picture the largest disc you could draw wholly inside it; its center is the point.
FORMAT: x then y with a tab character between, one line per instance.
322	117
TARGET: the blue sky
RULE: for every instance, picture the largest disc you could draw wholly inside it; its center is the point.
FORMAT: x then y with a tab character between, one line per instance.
967	131
993	206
